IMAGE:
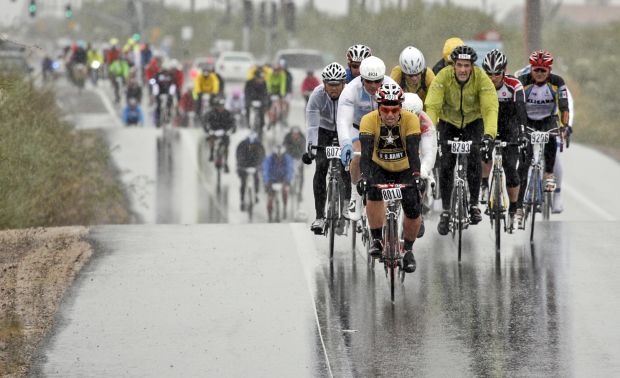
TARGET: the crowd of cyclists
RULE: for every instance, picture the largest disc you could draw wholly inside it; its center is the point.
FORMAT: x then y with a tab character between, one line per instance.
390	127
395	129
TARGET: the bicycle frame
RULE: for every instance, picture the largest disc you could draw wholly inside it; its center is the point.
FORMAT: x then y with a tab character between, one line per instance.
250	190
459	211
498	197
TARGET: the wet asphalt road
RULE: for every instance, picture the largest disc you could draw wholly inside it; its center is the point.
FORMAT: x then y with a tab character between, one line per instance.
181	300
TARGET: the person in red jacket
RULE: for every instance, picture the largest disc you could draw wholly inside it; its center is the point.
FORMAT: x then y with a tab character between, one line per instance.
179	76
308	85
152	68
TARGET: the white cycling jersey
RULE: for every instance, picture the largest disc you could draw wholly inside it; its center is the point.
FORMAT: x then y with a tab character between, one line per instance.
321	112
354	103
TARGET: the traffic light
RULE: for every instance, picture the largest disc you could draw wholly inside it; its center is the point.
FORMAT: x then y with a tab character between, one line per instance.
32	8
289	16
68	12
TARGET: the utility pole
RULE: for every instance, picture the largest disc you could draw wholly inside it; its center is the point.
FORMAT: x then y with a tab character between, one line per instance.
533	22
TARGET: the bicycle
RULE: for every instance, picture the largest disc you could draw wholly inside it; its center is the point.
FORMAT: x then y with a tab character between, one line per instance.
295	196
392	254
278	209
250	191
459	212
216	139
257	121
498	197
335	201
535	198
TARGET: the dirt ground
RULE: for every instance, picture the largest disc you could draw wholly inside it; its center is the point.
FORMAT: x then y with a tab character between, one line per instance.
36	267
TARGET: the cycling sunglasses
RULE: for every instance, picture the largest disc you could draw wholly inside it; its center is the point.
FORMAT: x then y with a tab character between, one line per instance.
378	81
540	70
390	109
495	73
334	83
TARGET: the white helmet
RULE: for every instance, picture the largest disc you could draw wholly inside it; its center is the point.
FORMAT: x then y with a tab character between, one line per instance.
372	68
357	53
334	72
413	103
411	61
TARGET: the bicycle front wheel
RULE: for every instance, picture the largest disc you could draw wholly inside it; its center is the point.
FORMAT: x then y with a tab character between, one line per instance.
535	199
332	217
393	252
547	198
497	212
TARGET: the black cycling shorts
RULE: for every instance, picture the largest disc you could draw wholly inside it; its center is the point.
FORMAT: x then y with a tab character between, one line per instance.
411	196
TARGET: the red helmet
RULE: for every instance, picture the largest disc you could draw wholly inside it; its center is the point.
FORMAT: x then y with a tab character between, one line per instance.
541	58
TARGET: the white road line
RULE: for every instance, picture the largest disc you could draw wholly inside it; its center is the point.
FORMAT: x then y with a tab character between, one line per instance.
108	105
568	189
298	236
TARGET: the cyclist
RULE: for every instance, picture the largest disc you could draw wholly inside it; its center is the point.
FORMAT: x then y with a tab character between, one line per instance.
206	83
277	90
428	147
355	55
390	139
321	115
510	121
546	98
448	47
133	90
132	114
264	69
412	74
163	83
356	100
256	90
220	119
250	154
462	101
277	168
307	86
235	103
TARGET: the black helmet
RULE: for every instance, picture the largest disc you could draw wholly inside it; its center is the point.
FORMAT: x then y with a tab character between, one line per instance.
494	62
464	53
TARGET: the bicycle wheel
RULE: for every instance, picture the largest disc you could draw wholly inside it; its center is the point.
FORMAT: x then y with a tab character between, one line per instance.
497	211
460	213
547	198
353	225
394	253
249	196
332	218
534	201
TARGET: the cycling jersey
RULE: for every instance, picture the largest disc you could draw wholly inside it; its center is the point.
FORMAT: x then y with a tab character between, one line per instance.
278	169
390	147
164	83
349	77
321	113
546	100
460	105
209	84
277	84
511	105
421	89
354	103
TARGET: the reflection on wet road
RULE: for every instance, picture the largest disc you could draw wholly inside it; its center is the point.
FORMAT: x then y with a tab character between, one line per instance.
548	311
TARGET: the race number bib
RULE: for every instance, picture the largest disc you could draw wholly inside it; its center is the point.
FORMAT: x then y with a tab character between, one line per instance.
392	194
539	137
461	147
332	152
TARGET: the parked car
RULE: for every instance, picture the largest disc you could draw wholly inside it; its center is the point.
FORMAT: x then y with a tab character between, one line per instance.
234	65
299	61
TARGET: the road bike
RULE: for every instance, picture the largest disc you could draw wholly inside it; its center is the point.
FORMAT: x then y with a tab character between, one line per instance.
497	205
216	141
392	254
459	212
257	118
250	191
536	198
295	193
278	211
335	194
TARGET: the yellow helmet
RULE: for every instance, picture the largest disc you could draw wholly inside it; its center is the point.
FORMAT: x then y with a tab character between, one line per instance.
113	41
450	44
